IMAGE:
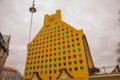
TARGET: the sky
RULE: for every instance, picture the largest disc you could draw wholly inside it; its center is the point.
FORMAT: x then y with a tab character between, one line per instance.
98	19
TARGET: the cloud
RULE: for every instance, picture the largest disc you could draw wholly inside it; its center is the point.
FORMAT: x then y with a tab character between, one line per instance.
98	19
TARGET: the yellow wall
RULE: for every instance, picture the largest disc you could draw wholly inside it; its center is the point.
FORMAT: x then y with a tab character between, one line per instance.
56	46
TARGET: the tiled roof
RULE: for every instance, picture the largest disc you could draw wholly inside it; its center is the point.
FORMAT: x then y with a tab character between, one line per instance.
10	69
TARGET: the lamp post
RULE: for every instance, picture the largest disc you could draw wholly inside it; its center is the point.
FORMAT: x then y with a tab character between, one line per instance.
32	10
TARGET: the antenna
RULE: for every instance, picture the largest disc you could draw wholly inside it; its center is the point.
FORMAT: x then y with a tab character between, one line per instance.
32	10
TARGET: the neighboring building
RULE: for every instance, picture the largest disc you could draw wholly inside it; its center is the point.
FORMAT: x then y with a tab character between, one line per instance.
116	69
4	49
9	73
58	52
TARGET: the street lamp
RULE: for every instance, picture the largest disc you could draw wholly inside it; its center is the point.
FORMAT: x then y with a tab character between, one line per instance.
32	10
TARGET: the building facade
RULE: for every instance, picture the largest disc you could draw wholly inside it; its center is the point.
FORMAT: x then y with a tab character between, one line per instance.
9	73
4	49
57	52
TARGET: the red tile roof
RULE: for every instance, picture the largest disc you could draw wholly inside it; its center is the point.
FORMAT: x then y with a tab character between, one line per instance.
9	69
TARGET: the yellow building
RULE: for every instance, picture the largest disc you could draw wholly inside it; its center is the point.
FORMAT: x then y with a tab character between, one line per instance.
60	52
57	52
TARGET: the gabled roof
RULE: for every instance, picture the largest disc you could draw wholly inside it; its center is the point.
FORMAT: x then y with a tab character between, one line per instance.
48	19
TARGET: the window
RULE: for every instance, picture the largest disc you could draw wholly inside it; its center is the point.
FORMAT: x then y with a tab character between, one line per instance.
68	46
31	63
80	55
30	67
46	50
42	46
42	66
54	59
75	62
54	39
54	35
72	35
59	58
81	67
38	62
62	29
54	49
60	70
29	73
54	54
58	30
76	34
42	61
69	63
45	66
58	43
26	73
71	31
50	65
38	67
55	65
64	63
54	27
58	38
78	44
63	42
41	72
59	48
58	34
73	45
62	33
77	39
68	51
64	52
81	61
59	64
67	32
34	62
55	71
46	60
70	69
67	36
50	49
76	68
74	56
63	37
64	58
69	57
79	49
46	55
45	72
50	40
68	41
73	50
50	71
54	31
47	41
63	47
72	40
50	60
42	56
59	53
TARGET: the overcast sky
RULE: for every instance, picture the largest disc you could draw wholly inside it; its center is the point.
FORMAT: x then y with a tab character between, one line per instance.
98	19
